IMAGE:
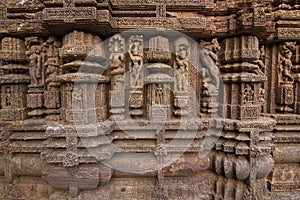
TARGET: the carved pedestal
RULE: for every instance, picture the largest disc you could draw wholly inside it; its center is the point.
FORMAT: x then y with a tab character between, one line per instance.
285	97
13	97
53	102
136	102
209	102
181	103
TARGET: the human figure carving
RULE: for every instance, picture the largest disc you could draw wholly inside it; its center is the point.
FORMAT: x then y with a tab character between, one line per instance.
136	64
181	66
35	64
260	62
159	92
8	97
285	61
77	98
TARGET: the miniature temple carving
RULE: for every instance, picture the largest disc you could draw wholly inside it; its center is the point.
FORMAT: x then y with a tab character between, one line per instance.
144	99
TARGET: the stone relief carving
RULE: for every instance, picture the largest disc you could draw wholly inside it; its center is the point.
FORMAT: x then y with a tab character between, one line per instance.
39	100
36	60
117	49
52	60
136	60
285	92
211	80
8	97
248	94
286	52
182	48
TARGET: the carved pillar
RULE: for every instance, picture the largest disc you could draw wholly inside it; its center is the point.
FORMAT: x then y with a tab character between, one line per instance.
84	105
136	68
82	79
117	70
242	77
14	80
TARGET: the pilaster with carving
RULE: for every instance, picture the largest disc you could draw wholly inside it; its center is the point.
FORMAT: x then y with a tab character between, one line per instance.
52	94
242	73
285	91
117	72
84	91
136	70
37	69
181	77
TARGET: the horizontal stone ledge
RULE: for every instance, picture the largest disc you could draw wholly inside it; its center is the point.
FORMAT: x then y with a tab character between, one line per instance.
287	153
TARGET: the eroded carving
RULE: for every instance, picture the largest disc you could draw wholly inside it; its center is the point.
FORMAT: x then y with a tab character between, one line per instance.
38	91
36	60
136	58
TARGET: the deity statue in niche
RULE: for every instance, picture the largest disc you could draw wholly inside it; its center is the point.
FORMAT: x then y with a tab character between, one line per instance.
159	94
35	64
77	98
136	58
181	64
36	54
248	94
210	62
8	97
286	64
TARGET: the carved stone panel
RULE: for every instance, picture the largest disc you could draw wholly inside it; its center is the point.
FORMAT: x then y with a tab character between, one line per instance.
202	102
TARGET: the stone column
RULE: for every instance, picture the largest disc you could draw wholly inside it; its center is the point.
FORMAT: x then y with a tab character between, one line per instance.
242	77
84	106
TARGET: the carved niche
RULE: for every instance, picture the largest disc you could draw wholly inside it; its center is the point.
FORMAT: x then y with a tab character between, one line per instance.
285	92
82	84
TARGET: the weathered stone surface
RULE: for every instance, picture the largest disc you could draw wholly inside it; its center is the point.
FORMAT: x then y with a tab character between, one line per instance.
88	111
